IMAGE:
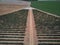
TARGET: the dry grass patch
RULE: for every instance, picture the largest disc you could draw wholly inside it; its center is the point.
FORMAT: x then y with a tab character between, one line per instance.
7	8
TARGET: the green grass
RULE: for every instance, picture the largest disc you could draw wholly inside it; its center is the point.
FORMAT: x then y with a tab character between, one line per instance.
14	19
48	6
46	24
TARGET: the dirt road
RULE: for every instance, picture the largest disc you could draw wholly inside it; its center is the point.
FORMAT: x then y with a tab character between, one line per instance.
30	38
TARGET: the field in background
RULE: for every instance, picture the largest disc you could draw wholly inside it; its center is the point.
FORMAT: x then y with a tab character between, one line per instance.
12	6
48	6
7	8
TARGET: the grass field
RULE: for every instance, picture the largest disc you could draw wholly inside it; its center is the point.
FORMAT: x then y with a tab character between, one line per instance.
46	22
13	19
48	6
46	25
12	28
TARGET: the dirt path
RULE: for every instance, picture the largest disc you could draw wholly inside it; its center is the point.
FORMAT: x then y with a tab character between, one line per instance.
30	38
